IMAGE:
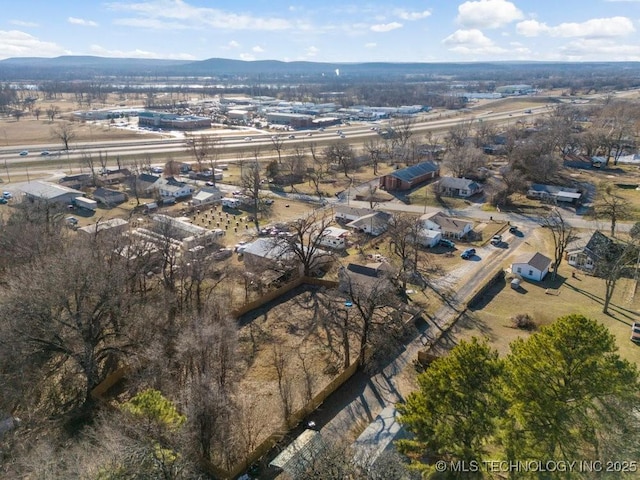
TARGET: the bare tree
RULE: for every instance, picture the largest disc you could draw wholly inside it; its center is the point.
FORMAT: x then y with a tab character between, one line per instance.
464	161
65	132
341	154
251	182
201	147
319	169
305	240
562	235
378	311
277	145
611	206
52	112
68	316
375	152
285	388
404	232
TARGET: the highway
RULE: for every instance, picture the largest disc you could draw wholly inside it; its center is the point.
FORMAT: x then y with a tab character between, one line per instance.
243	144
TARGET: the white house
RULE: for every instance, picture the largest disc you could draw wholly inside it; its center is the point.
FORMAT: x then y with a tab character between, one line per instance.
375	223
532	266
170	187
345	213
449	227
458	187
206	196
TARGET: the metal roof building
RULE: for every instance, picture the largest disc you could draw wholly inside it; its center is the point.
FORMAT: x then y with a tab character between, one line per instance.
50	192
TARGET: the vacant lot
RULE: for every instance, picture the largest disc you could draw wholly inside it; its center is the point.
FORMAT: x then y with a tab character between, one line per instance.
304	328
29	131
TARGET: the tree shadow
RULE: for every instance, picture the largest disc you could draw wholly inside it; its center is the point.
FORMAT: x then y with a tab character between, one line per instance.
614	309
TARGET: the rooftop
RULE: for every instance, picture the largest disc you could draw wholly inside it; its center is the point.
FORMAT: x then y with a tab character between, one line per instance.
409	174
47	190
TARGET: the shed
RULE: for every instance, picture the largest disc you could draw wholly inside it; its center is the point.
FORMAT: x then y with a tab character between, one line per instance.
533	266
515	283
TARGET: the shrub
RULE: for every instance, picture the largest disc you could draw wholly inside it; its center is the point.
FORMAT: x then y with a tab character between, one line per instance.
523	321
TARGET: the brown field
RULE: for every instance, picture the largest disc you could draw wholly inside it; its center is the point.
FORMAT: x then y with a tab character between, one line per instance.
304	325
29	131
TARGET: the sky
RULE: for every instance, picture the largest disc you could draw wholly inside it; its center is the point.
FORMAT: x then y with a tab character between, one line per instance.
325	30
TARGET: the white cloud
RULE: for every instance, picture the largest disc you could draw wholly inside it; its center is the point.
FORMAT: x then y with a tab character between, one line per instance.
178	14
14	43
82	21
594	28
137	53
406	15
597	49
311	52
487	13
371	45
386	27
248	57
21	23
471	42
233	44
257	49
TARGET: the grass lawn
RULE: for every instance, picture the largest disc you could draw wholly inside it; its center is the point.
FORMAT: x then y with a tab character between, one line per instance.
581	295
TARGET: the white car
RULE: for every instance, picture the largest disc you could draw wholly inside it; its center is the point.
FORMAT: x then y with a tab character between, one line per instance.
247	139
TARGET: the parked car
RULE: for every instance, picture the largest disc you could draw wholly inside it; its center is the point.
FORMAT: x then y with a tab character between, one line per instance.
7	195
222	254
3	201
24	153
513	229
44	153
292	136
247	139
635	332
447	243
468	253
496	240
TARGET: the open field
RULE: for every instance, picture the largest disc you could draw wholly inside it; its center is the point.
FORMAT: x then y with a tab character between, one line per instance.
29	131
582	294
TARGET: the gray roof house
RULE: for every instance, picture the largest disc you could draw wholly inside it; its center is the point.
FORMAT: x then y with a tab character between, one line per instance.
109	197
554	193
458	187
533	266
450	227
599	247
375	223
170	187
207	195
346	213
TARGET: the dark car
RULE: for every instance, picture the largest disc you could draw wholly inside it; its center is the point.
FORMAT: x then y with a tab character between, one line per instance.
447	243
468	253
513	229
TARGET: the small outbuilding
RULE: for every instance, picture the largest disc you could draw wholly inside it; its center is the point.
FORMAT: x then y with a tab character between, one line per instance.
532	267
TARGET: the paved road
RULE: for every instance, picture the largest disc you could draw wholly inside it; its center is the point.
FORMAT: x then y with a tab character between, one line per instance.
363	397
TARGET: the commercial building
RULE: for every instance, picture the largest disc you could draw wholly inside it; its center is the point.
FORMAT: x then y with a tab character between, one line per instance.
172	121
50	192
